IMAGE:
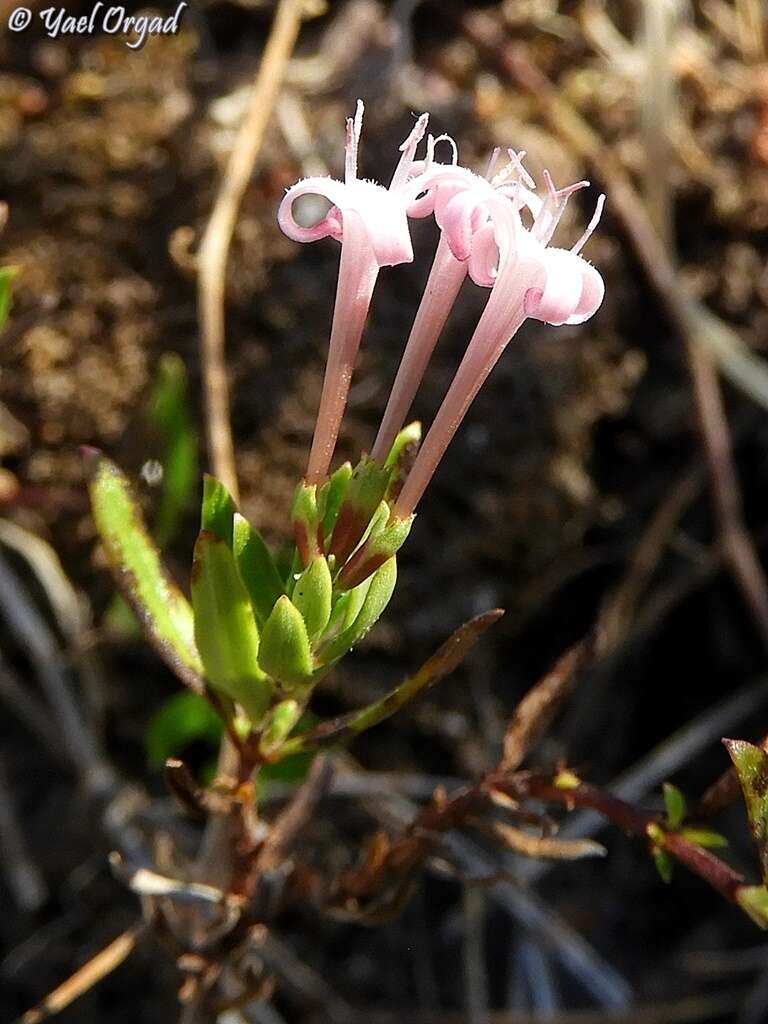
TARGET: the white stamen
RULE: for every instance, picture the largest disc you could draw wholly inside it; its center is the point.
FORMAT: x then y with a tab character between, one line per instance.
492	163
552	207
591	226
516	159
408	150
452	143
354	130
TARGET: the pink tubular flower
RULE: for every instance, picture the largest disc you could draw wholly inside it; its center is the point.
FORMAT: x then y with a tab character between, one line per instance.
371	223
556	286
462	204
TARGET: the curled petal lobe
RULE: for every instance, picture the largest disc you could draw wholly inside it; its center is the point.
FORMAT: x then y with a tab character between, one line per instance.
330	225
592	293
484	258
381	212
459	218
572	292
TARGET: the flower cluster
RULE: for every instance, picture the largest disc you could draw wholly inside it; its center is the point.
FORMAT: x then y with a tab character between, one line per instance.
261	632
494	229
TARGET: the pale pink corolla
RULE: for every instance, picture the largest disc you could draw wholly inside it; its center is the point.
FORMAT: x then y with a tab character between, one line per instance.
556	286
371	223
461	203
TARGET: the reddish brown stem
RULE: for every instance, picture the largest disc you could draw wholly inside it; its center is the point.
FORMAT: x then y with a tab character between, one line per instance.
635	821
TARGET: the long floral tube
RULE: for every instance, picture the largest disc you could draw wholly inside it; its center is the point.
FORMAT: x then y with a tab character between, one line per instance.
503	315
358	272
442	288
371	223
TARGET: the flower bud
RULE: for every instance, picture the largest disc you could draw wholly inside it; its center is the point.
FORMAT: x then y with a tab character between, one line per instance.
363	608
285	653
379	547
331	495
364	495
307	525
312	596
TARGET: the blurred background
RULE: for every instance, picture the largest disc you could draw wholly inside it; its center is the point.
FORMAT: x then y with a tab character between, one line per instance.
614	472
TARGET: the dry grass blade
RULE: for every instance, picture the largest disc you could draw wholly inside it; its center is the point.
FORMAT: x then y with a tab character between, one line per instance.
214	247
97	968
145	882
546	847
537	709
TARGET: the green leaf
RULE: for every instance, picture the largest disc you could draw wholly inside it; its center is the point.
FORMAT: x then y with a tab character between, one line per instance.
704	837
7	275
442	663
218	512
753	899
377	595
277	726
161	608
285	652
183	719
331	496
751	764
409	437
312	596
401	458
256	567
663	863
674	801
169	420
225	628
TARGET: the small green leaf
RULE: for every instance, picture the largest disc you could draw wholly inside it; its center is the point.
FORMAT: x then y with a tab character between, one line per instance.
7	275
663	863
256	567
183	719
312	596
170	422
674	801
401	459
704	837
218	510
753	899
409	437
285	652
277	726
376	599
751	764
331	496
160	606
225	629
